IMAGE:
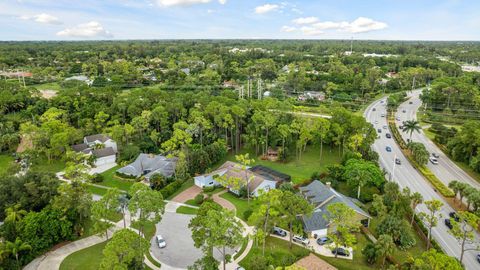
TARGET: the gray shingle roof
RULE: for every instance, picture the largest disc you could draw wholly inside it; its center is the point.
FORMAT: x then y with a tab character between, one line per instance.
79	147
97	137
148	165
104	152
321	196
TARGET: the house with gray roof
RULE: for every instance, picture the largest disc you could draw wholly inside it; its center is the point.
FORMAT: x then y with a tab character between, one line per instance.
147	165
321	196
101	146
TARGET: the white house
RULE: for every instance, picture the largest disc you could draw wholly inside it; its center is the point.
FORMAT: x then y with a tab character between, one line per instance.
259	177
102	147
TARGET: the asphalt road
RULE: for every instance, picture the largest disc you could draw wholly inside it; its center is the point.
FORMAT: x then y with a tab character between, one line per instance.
407	176
446	170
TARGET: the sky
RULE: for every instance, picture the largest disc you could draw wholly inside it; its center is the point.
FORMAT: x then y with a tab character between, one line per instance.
239	19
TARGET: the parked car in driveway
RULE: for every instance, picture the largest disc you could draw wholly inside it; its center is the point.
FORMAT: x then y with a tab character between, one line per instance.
323	240
160	241
388	148
433	160
448	223
301	240
397	161
279	232
341	252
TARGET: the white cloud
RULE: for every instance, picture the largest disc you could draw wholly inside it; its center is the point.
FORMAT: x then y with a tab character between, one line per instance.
360	25
42	18
171	3
86	30
266	8
288	29
305	20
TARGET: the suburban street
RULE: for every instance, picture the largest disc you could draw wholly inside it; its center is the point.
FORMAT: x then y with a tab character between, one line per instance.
407	176
446	170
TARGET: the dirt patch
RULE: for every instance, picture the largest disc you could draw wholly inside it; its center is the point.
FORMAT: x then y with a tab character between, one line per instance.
313	262
25	144
48	94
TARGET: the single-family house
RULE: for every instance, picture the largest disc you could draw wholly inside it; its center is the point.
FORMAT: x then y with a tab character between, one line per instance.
102	147
147	165
321	196
259	177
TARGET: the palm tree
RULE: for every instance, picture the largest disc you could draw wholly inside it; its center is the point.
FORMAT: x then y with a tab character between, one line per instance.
385	247
14	214
416	199
410	126
15	248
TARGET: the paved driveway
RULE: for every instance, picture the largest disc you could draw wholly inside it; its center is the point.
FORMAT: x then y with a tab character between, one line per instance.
180	252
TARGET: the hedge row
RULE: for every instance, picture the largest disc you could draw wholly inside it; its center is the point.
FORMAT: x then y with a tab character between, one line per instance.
444	190
171	188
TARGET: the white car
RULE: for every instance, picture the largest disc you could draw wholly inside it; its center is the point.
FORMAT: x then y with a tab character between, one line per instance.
434	160
160	241
300	239
382	115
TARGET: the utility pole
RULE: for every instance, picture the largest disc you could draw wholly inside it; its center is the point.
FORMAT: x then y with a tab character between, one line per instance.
259	89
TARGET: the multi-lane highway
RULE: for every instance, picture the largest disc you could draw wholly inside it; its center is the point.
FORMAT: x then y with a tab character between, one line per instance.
446	170
406	176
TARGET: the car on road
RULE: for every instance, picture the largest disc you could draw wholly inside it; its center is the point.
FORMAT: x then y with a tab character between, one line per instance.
160	241
384	127
404	111
397	118
388	135
381	101
301	240
323	240
435	155
340	252
454	216
374	109
382	115
239	268
433	160
410	102
379	130
376	122
448	223
397	161
388	148
279	232
478	257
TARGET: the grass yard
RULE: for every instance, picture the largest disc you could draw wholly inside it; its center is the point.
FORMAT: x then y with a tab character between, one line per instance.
184	186
85	259
110	179
48	86
298	170
277	253
241	204
43	165
187	210
5	162
97	190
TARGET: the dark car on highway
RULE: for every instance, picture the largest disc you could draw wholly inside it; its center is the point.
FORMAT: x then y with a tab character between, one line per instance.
448	223
388	135
388	148
454	216
379	130
397	161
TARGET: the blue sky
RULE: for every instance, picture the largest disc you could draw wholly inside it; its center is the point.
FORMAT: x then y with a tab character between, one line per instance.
192	19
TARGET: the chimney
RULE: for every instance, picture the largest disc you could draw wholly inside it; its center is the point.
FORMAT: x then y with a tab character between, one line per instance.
329	184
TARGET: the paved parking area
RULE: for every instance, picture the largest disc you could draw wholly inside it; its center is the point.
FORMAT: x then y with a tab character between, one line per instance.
180	251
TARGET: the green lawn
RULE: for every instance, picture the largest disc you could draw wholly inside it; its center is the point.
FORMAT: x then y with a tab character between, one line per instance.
298	170
278	251
48	86
187	210
43	165
184	186
85	259
5	161
110	179
241	205
97	190
192	202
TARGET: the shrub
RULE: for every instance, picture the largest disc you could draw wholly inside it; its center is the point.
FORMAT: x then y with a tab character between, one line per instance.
170	189
208	189
97	178
198	199
247	214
